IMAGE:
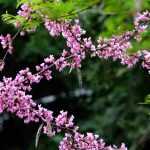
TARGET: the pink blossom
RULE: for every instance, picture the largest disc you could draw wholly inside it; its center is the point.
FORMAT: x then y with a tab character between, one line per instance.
14	97
6	42
25	11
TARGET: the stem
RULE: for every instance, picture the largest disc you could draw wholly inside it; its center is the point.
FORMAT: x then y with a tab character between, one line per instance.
13	38
79	75
75	12
49	67
38	135
138	4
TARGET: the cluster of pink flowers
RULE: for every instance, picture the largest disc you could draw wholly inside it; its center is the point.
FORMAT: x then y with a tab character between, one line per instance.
6	42
115	48
63	120
86	142
141	21
146	59
73	35
14	99
25	11
13	92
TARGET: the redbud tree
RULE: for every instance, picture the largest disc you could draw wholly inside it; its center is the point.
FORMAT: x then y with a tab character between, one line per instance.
61	19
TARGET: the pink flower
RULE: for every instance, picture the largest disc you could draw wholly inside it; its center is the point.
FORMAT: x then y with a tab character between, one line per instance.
25	11
6	42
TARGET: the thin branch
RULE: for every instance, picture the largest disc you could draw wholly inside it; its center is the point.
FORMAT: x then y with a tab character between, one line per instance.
13	38
38	135
79	75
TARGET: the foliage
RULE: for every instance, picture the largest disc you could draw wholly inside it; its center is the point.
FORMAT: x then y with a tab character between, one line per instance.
121	16
54	10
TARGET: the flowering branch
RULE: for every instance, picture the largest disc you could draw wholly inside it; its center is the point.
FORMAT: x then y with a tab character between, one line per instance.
13	92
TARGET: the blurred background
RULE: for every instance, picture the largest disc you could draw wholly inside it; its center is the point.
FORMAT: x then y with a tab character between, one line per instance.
104	96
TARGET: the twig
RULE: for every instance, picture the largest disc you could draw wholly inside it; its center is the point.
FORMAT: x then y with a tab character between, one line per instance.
13	38
38	135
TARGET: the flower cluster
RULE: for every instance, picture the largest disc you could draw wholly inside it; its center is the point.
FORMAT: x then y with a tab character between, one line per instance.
6	42
146	59
116	48
86	142
25	11
63	120
141	21
73	35
14	99
13	92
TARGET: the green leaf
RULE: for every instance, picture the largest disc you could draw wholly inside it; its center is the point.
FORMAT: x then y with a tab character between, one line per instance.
54	10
